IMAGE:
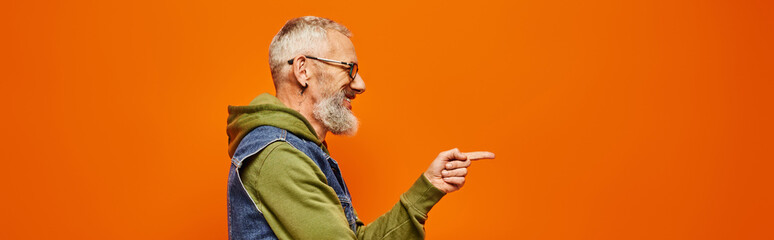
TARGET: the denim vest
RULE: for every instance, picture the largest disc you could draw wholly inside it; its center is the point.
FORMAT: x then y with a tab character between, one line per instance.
245	220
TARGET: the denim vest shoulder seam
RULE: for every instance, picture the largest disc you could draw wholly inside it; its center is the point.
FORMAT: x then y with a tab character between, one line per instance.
238	162
239	159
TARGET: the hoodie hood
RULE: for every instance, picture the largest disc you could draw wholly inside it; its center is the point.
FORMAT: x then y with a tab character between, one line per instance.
266	109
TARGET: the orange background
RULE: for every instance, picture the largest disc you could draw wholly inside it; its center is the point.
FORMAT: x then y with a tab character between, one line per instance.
610	119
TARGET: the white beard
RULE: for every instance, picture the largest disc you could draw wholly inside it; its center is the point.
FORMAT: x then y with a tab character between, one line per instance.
335	116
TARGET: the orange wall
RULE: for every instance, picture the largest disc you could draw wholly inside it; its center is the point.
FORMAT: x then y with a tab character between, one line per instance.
610	119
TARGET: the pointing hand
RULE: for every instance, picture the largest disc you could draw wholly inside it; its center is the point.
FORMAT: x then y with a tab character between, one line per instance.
447	172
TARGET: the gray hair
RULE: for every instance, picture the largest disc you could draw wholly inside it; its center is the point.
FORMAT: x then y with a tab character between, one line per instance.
300	36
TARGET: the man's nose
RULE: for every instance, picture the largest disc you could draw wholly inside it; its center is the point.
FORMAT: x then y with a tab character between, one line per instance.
358	85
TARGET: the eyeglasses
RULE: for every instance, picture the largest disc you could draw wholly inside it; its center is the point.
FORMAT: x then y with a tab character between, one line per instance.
352	66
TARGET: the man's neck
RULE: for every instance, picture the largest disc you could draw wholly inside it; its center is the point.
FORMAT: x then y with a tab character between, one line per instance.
318	127
306	110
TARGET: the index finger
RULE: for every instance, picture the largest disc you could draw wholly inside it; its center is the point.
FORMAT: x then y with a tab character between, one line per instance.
479	155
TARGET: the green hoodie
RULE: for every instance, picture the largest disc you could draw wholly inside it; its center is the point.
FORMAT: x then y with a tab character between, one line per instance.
311	210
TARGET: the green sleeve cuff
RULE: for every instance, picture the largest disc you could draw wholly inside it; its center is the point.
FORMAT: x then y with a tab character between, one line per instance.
422	196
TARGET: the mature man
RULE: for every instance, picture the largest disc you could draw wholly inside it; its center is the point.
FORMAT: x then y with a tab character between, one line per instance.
283	184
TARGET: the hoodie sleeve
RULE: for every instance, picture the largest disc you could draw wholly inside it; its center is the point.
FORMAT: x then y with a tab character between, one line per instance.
296	201
406	219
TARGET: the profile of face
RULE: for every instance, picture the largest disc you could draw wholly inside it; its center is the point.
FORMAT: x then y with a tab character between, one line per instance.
336	88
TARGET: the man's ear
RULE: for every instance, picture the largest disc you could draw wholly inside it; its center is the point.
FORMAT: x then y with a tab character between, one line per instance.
301	71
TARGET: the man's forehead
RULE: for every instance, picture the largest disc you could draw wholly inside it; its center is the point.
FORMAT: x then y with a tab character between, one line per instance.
341	46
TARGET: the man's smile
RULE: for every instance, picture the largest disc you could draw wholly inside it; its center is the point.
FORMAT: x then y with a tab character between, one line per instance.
348	100
348	103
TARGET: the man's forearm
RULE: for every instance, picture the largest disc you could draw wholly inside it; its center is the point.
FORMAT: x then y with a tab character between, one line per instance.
407	218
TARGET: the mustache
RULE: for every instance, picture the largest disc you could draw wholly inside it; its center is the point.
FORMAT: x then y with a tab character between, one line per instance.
345	93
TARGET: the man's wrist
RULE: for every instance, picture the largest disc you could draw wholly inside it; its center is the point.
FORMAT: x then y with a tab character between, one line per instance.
423	195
